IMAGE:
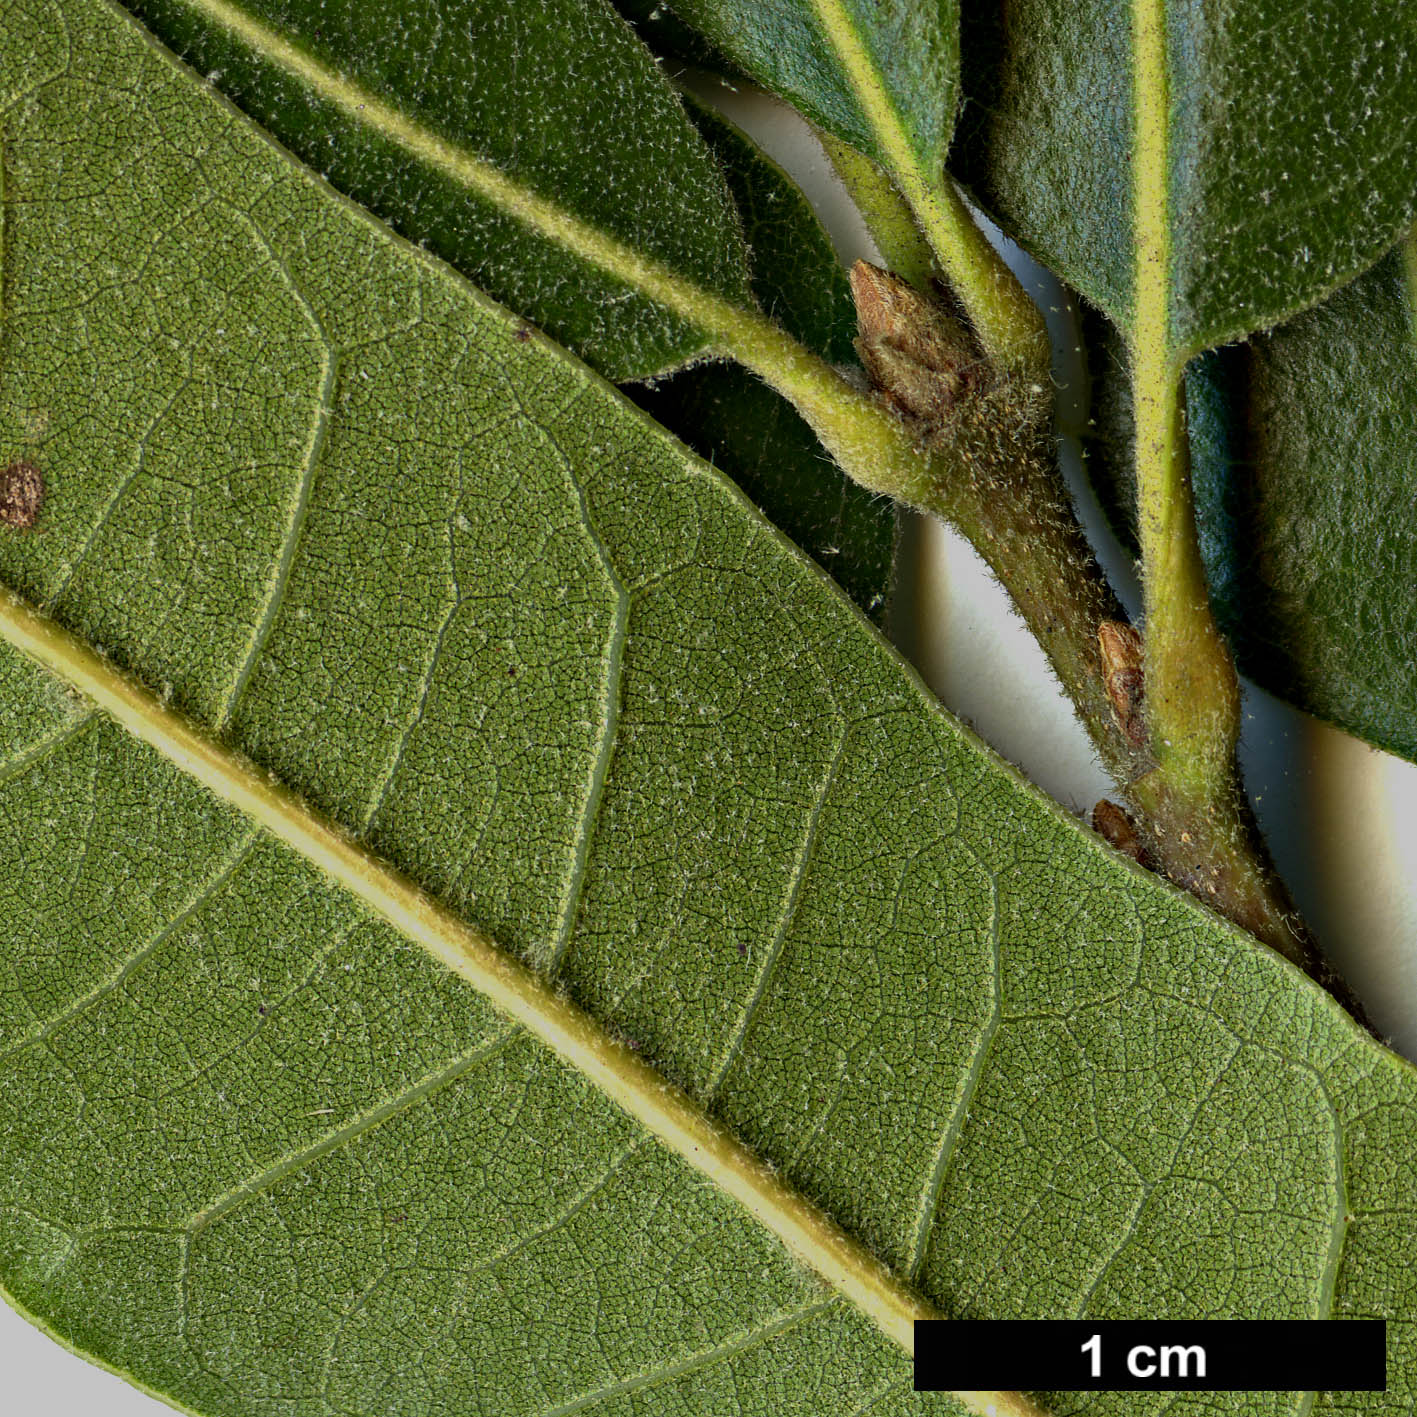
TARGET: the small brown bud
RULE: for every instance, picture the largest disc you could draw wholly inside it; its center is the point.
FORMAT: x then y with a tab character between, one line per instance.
919	357
21	495
1118	830
1121	648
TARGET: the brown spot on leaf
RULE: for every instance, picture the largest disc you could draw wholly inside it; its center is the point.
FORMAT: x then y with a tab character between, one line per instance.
21	495
1121	648
521	335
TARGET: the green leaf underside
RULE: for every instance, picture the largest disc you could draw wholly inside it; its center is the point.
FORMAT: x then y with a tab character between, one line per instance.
1293	151
733	419
1303	449
557	94
259	1152
740	425
844	63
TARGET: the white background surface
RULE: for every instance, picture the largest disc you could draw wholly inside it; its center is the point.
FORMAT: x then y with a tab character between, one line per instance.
1342	817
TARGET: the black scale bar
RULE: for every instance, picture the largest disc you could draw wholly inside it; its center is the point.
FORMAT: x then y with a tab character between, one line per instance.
1151	1355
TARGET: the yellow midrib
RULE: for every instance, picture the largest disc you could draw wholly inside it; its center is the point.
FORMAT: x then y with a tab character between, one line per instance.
666	1111
1151	227
1009	325
1155	375
512	988
867	441
509	985
710	312
863	74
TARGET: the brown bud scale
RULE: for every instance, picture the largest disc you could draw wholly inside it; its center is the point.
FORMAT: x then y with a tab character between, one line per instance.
1121	647
1118	830
920	358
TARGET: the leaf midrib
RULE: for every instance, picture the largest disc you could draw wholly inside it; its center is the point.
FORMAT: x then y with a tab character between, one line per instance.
741	331
513	989
1150	190
866	439
686	299
871	93
663	1109
1156	369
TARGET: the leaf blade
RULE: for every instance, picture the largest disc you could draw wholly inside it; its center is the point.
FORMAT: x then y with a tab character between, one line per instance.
515	992
1265	109
1300	448
451	132
757	713
740	425
1326	543
882	78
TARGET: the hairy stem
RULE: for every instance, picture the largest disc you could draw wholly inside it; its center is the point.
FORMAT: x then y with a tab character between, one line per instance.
1199	828
1193	698
888	219
1164	723
1205	841
1008	324
867	439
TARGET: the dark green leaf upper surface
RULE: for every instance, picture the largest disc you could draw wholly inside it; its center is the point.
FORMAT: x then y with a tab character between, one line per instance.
670	38
795	272
733	419
1304	458
557	94
1322	570
261	1153
1293	147
807	51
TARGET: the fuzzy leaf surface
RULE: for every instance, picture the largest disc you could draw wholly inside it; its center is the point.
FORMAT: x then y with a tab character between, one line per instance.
851	66
1303	448
670	38
1292	163
557	95
738	423
261	1153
